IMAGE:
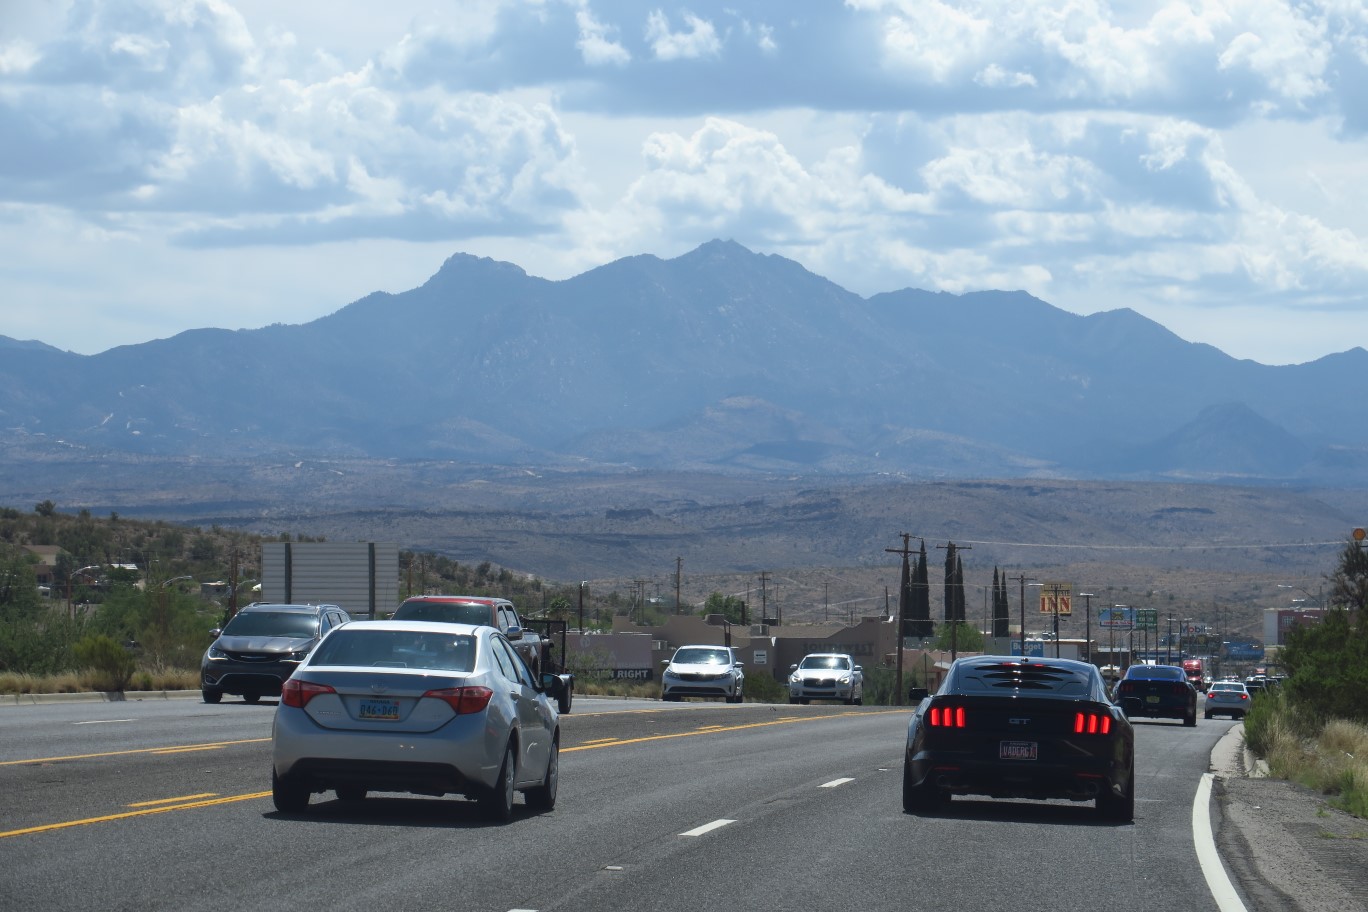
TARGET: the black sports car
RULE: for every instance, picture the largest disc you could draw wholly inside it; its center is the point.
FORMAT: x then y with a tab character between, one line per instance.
1008	727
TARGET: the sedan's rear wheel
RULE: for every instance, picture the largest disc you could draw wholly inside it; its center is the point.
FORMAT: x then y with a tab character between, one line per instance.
919	798
543	797
288	794
497	803
1118	810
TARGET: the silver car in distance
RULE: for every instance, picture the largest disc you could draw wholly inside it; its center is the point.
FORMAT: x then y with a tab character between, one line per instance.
421	707
826	676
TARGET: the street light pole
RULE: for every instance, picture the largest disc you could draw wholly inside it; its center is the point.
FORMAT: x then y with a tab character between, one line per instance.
1087	626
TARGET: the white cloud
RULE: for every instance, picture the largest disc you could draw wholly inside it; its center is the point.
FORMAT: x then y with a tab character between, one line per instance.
699	39
595	42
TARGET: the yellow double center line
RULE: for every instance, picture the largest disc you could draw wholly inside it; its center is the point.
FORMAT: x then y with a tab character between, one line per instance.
179	804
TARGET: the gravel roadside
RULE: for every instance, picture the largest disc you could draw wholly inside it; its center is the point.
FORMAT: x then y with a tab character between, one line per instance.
1285	847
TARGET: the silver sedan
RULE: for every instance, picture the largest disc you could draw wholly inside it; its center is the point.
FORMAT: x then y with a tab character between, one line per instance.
420	707
826	676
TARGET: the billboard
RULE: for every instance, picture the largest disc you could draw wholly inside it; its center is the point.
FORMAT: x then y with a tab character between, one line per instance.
1118	617
1056	597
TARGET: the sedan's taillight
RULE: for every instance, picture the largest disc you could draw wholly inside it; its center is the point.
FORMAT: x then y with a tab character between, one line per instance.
946	717
299	693
463	699
1092	723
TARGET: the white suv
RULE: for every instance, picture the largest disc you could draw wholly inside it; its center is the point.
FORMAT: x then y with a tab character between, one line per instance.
703	671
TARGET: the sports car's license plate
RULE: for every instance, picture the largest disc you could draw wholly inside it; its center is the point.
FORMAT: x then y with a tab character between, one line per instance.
1016	750
384	710
1151	699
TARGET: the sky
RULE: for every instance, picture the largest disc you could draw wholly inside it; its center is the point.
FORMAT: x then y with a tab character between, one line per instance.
168	165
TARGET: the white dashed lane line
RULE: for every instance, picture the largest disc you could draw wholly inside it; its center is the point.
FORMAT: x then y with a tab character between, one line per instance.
835	782
707	828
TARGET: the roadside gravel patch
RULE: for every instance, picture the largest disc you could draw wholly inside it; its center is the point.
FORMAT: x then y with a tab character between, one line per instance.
1285	847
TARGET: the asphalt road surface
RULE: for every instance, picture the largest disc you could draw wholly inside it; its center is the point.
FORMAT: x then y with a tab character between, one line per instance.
694	807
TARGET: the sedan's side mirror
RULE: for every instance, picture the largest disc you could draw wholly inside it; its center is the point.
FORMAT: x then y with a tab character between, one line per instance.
859	668
737	664
664	663
215	633
552	684
793	668
917	694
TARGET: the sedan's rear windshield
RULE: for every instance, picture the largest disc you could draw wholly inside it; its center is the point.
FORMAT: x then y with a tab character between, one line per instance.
1155	673
396	649
272	623
1019	676
446	612
694	656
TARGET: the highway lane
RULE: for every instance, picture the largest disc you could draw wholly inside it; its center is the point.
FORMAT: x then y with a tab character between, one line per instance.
812	794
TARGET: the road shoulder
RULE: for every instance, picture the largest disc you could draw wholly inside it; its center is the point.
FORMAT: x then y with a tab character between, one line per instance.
1288	850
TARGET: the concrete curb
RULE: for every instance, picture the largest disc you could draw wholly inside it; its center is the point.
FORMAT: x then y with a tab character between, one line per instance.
1232	757
115	696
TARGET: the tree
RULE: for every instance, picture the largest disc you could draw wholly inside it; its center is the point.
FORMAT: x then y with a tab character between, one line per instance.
1349	583
921	598
45	509
960	636
729	606
1327	663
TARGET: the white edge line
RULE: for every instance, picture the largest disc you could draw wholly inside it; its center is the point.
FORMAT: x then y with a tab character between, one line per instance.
707	828
1222	890
835	782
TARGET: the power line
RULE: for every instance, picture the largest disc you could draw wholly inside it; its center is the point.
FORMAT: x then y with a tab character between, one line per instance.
1247	546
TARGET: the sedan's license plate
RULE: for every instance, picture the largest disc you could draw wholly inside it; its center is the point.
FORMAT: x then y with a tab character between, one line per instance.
1152	698
1016	750
384	710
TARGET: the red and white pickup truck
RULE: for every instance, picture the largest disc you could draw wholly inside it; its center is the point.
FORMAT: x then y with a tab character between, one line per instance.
1196	675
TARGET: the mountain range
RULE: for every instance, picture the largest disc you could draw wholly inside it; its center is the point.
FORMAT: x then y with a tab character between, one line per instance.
720	360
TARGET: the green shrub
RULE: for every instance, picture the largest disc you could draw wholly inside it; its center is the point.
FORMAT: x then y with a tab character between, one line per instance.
106	665
761	687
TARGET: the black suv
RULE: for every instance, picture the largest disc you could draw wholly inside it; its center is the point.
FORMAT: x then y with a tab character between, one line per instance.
1157	691
261	646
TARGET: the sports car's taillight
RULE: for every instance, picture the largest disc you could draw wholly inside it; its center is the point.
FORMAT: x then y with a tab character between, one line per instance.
463	699
1092	723
299	693
945	717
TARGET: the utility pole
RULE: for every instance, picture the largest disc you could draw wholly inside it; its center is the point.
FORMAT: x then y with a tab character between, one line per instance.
764	596
679	570
904	596
1023	579
640	600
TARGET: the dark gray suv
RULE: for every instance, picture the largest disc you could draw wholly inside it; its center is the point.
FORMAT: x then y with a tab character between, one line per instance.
261	646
